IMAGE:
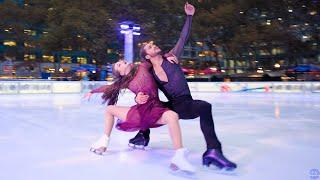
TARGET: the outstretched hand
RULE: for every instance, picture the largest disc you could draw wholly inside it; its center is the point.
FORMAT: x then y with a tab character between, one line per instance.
189	9
87	96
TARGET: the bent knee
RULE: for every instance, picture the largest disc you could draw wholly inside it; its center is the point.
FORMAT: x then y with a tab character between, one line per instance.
109	109
206	105
171	115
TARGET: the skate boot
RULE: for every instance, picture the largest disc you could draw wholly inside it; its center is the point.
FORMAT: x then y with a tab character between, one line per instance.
100	146
141	140
216	158
180	165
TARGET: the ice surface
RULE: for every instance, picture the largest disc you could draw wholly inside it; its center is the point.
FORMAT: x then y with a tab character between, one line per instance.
269	136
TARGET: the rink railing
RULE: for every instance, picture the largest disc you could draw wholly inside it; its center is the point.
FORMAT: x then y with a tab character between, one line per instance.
56	87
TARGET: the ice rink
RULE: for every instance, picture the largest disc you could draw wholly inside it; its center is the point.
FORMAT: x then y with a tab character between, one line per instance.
269	136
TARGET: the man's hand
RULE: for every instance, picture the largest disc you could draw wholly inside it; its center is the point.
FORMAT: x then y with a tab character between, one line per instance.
141	98
189	9
87	96
172	58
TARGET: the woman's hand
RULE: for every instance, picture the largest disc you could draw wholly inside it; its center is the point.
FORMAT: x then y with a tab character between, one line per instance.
87	96
141	98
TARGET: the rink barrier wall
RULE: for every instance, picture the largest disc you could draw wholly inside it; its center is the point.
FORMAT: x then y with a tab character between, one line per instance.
74	87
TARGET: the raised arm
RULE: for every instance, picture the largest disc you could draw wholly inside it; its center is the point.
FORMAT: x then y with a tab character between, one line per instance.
178	48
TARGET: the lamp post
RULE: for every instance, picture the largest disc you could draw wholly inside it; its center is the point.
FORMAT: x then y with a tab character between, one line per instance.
129	29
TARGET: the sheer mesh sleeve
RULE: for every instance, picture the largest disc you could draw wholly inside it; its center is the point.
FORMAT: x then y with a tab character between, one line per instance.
143	81
178	48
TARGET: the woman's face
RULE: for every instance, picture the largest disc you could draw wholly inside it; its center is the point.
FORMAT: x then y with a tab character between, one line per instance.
123	67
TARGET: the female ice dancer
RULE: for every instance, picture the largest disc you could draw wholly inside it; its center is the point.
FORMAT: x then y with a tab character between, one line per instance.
138	78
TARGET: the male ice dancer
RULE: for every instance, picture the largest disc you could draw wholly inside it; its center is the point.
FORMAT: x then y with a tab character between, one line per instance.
173	84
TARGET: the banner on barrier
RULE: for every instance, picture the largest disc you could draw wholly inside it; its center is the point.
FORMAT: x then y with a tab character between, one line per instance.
45	87
207	87
315	87
66	87
289	87
34	87
231	87
258	87
9	87
88	86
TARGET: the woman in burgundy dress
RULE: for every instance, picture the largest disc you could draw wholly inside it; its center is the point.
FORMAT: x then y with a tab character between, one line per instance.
138	78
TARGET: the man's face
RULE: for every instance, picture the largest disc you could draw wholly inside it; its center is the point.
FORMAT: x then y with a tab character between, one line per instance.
151	50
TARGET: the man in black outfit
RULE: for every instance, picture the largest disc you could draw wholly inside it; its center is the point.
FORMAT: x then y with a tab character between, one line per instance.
173	84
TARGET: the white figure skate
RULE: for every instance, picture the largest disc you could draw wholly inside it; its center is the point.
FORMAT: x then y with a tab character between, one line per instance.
100	146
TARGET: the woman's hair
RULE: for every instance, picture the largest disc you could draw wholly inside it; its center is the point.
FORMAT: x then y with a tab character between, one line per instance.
121	82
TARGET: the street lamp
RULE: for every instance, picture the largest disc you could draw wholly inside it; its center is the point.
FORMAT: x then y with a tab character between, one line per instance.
129	29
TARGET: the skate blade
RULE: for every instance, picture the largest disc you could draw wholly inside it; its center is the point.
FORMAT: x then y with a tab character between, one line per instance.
176	171
97	151
140	147
224	171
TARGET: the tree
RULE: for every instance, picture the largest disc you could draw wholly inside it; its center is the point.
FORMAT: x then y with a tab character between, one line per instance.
13	22
249	25
80	26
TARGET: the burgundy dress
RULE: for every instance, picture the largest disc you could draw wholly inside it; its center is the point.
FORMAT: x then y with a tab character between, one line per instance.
141	116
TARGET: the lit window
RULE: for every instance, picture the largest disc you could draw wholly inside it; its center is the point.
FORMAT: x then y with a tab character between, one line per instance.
276	51
240	63
30	32
231	63
9	43
47	58
82	60
201	54
67	48
29	57
32	57
26	57
29	45
264	52
200	43
109	51
65	59
313	13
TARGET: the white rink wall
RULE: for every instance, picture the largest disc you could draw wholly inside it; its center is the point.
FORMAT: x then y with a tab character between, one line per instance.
74	87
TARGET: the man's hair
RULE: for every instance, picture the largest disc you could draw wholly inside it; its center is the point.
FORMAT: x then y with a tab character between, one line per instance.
143	53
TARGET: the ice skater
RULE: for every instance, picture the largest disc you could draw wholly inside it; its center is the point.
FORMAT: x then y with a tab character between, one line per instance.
173	84
150	114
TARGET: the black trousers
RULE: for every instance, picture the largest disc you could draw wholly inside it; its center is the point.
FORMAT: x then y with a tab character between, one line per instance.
187	108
